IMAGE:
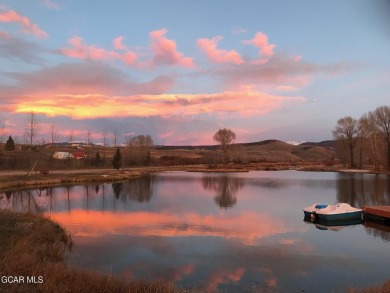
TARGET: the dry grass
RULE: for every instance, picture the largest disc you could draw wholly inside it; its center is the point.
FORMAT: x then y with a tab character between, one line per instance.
385	288
34	246
23	181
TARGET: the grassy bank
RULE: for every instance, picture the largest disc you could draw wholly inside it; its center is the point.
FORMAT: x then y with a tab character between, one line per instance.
34	247
23	181
385	288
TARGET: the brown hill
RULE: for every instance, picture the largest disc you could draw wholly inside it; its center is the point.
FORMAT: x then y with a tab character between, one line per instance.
276	150
262	151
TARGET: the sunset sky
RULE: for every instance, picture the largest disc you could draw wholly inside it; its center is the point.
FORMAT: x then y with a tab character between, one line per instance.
180	70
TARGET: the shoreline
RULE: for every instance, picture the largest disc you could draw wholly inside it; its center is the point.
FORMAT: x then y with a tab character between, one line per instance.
32	259
17	179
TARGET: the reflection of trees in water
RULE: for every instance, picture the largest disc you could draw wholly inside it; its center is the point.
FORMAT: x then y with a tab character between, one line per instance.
377	232
226	188
138	189
25	201
86	197
117	188
360	189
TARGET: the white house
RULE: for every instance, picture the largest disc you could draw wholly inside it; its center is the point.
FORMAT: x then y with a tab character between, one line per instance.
62	155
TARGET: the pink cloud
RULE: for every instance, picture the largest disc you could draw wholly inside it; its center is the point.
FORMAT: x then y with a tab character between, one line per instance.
27	25
164	51
297	58
214	55
129	57
118	43
80	50
279	70
4	35
260	41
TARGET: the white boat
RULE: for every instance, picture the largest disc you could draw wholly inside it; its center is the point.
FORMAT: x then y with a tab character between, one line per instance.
329	212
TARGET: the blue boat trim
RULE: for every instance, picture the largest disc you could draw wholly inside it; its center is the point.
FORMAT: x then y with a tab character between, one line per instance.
321	206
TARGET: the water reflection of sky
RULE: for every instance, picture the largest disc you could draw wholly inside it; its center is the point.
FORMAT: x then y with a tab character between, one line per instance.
228	232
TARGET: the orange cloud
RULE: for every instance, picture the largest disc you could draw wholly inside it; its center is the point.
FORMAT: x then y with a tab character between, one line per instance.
82	51
286	88
271	282
223	277
260	41
244	227
214	55
27	25
245	101
164	51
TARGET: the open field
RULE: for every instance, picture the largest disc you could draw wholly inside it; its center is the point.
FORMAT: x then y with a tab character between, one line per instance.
97	156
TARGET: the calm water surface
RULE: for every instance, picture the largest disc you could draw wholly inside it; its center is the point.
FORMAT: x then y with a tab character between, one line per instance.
237	232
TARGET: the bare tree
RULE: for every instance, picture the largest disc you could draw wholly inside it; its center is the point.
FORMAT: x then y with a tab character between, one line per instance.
346	131
141	141
115	136
53	133
32	127
382	121
139	147
70	136
104	134
225	137
89	137
2	130
370	131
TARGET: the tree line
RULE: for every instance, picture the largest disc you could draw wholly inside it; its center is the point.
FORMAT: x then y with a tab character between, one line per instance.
33	127
364	141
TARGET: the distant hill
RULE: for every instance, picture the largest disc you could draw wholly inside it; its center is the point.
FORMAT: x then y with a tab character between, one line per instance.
330	144
275	150
267	150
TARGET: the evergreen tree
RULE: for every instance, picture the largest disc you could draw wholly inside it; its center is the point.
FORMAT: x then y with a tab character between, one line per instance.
10	145
97	159
117	161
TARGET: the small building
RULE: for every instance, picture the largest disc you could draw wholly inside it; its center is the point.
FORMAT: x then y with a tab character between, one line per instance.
79	155
62	155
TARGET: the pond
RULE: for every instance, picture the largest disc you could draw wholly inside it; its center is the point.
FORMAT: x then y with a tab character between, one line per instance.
222	232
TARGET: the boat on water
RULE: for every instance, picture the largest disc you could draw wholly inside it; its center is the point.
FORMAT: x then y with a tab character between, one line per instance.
329	212
335	225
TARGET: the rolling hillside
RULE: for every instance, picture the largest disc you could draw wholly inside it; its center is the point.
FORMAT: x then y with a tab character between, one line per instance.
267	150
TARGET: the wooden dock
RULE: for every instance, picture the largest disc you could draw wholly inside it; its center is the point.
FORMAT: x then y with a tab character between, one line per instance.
377	214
